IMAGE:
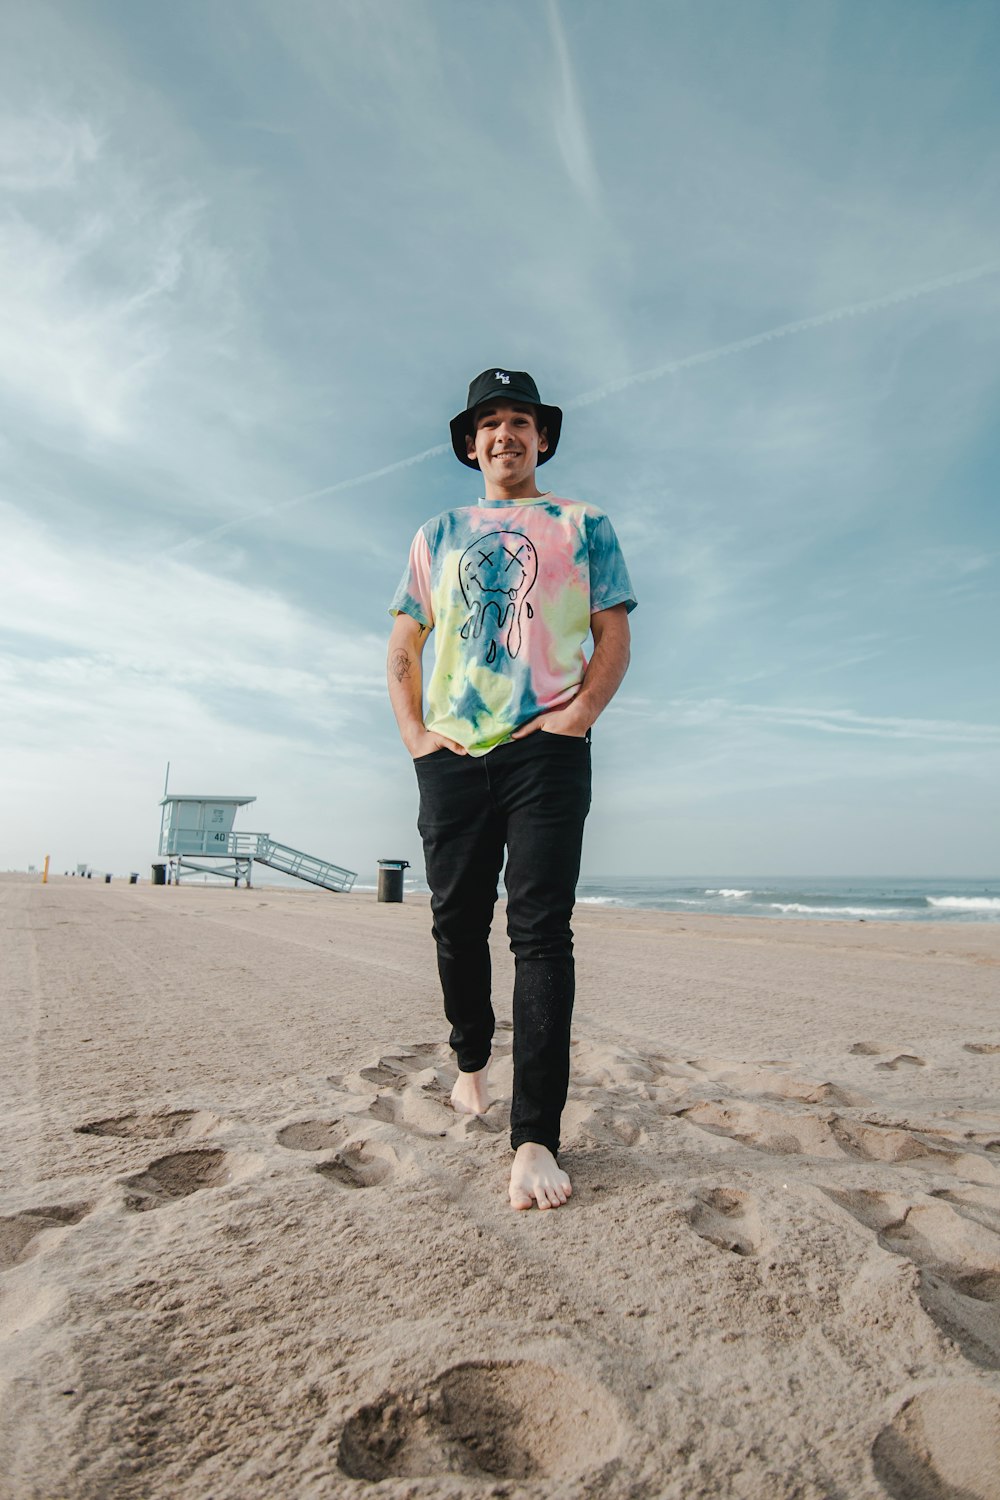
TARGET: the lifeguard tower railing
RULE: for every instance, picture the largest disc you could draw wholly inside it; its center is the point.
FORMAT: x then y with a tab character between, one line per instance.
194	830
233	855
267	851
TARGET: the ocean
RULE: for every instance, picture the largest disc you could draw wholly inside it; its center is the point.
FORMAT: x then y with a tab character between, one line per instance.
872	900
884	899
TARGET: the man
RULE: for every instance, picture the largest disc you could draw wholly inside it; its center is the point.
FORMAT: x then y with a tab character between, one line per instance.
512	587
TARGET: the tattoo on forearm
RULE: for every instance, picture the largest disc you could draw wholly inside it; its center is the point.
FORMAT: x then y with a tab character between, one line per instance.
399	665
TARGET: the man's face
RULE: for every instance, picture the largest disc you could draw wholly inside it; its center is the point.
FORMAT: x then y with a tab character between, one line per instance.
506	442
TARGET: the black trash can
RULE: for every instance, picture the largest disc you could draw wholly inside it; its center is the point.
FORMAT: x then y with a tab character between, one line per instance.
390	878
134	878
107	880
159	874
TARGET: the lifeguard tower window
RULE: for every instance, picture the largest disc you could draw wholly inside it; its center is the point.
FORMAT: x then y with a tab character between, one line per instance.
194	829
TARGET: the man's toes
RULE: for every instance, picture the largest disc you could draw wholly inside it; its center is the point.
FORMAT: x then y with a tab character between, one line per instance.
519	1198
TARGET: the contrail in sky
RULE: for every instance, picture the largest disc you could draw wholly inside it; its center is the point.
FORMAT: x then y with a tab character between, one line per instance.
570	123
330	489
612	387
855	310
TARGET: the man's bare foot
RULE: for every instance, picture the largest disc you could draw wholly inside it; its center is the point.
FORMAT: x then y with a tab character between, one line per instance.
471	1095
536	1177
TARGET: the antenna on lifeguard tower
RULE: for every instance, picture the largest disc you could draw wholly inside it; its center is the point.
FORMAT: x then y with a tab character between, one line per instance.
166	779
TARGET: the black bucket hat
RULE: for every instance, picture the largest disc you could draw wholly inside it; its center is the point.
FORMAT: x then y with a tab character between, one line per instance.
512	387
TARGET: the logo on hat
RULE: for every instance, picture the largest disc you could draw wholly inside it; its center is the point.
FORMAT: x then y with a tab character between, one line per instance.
504	379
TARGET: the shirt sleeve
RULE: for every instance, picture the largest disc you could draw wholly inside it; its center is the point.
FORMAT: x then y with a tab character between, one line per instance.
610	583
413	596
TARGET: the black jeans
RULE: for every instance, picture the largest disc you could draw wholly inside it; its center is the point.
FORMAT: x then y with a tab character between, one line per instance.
532	796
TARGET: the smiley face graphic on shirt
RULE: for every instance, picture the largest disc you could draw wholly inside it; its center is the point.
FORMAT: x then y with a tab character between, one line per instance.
496	575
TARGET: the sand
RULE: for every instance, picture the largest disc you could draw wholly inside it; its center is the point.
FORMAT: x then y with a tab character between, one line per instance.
246	1249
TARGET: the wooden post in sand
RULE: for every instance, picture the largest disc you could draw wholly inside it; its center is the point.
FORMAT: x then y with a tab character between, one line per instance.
45	870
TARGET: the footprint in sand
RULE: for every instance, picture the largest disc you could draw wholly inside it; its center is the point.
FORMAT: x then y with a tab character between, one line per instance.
958	1258
932	1234
606	1123
417	1111
414	1084
363	1164
727	1218
597	1065
891	1064
493	1420
984	1049
767	1081
19	1232
975	1121
155	1127
396	1066
171	1178
312	1135
942	1444
981	1204
831	1135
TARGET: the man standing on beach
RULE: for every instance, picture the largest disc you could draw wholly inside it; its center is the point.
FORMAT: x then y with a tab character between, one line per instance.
512	587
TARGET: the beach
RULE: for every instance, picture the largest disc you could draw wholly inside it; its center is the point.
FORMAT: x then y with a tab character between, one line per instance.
247	1249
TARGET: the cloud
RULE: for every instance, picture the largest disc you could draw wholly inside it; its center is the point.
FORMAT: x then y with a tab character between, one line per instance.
126	339
142	645
43	151
102	310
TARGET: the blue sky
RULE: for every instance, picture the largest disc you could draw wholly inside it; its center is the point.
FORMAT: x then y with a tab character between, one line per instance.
252	255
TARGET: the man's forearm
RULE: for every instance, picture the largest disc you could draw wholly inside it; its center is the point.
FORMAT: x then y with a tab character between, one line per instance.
606	668
405	680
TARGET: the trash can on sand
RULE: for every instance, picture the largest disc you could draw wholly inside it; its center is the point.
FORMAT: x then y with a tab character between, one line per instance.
390	878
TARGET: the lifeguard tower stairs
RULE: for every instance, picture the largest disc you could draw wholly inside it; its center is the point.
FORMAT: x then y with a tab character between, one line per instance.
196	835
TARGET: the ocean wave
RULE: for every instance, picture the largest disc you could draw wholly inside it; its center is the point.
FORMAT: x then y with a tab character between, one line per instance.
599	901
725	891
840	911
966	903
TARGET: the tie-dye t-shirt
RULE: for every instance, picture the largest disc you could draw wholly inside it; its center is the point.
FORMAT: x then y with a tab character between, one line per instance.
508	588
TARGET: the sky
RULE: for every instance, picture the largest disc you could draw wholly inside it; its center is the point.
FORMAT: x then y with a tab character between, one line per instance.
253	253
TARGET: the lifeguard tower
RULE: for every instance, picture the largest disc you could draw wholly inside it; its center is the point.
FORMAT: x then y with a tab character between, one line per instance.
196	835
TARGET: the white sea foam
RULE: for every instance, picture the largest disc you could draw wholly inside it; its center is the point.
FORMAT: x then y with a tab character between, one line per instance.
840	911
732	894
966	903
599	901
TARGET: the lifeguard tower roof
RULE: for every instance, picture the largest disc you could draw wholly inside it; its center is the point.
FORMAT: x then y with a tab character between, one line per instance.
198	797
